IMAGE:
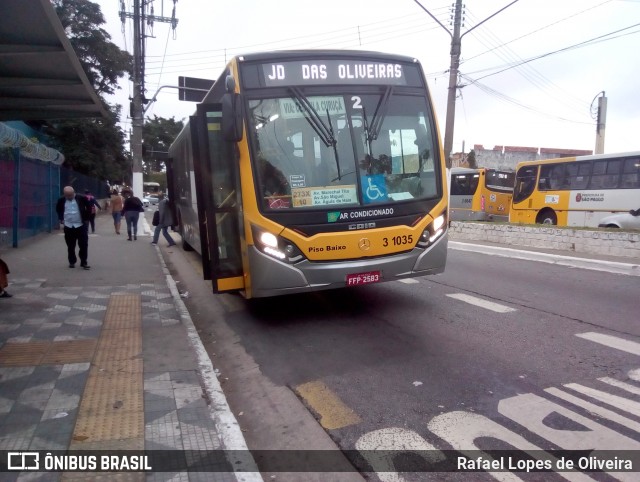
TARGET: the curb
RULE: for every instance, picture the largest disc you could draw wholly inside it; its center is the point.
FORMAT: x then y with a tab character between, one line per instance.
629	269
227	426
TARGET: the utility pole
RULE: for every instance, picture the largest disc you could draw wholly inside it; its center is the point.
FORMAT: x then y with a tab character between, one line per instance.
141	19
137	116
456	49
601	123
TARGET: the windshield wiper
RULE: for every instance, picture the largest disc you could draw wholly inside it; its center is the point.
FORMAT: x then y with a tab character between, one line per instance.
313	118
335	148
373	129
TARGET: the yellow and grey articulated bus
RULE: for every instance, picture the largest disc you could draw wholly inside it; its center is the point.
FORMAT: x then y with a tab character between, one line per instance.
480	194
576	191
311	170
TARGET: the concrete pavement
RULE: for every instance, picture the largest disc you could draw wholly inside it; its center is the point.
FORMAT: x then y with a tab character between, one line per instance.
108	359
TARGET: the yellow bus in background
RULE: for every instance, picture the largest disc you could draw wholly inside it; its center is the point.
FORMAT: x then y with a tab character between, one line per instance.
576	191
480	194
311	170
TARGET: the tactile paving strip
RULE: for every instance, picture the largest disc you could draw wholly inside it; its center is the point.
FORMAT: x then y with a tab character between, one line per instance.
112	407
47	352
71	351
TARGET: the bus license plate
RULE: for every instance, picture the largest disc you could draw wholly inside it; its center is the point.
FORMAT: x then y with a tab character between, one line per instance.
363	278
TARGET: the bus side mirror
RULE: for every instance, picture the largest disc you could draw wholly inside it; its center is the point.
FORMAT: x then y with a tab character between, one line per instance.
232	117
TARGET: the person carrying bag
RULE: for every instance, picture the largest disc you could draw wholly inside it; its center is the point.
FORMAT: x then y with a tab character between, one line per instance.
165	221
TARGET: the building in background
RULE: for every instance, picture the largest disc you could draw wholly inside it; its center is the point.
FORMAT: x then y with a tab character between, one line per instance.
507	157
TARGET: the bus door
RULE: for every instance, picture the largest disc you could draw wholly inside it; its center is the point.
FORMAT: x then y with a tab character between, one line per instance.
217	186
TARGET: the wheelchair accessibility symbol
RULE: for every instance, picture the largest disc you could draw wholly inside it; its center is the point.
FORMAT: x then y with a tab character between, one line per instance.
374	188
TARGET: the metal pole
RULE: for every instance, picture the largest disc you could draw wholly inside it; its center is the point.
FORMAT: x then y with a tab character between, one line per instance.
453	84
137	118
602	122
16	196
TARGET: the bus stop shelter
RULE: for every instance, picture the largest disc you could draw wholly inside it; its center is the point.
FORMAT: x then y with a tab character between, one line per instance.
41	77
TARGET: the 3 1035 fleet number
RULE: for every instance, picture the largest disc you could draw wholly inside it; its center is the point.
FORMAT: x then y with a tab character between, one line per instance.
397	240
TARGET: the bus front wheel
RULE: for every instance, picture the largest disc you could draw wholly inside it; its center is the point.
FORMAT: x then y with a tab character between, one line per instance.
547	216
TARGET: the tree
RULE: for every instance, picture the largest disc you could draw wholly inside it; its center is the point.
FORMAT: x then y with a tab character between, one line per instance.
93	146
157	135
471	159
103	61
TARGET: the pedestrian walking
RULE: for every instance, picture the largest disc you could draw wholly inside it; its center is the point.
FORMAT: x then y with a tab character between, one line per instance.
4	280
94	205
165	221
131	211
117	203
73	212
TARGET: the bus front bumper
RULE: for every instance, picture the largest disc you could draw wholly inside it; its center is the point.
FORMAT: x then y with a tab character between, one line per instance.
271	277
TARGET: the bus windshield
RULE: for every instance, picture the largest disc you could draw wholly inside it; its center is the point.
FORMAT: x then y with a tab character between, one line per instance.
322	151
501	181
464	184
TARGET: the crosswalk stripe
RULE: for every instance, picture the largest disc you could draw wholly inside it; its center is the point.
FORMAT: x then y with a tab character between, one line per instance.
617	383
612	341
622	403
488	305
593	408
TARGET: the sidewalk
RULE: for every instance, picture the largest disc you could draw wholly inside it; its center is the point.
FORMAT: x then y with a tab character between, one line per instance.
105	359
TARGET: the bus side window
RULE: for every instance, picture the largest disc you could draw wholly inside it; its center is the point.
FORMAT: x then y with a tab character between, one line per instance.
544	184
631	174
614	169
606	174
559	178
576	180
599	174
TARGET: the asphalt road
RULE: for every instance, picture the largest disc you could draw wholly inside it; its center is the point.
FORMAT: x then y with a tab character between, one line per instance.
496	353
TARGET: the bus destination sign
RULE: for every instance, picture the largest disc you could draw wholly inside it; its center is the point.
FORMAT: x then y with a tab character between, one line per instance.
319	72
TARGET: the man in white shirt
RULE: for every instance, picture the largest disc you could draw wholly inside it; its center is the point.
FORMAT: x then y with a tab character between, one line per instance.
73	212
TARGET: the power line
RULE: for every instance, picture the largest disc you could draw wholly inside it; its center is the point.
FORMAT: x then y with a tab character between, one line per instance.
530	74
536	31
600	38
505	98
343	38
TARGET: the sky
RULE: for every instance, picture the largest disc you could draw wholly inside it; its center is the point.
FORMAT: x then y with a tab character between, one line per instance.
531	74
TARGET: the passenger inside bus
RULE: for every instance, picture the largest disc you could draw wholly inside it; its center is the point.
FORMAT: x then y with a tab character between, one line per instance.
275	187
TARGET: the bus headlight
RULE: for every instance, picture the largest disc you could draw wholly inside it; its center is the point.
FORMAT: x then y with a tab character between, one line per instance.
269	240
438	222
276	246
434	230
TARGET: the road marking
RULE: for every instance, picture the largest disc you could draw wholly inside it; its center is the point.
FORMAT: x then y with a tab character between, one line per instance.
380	446
531	412
615	267
619	402
409	281
333	412
595	409
612	341
488	305
619	384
